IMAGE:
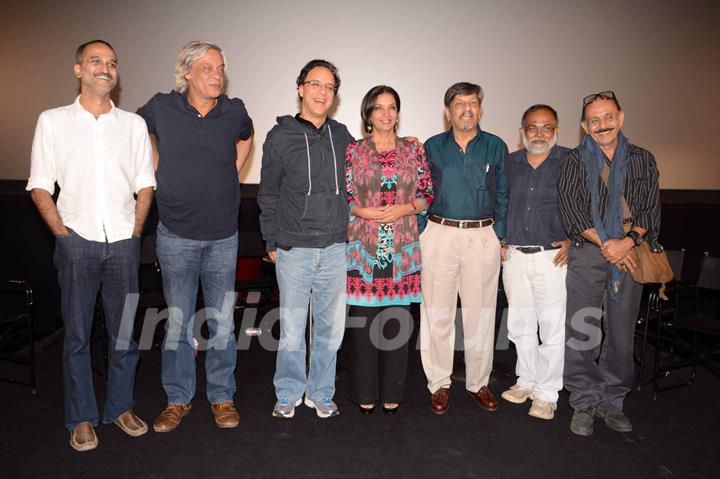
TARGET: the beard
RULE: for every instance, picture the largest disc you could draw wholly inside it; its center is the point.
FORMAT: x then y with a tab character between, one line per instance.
467	121
465	127
538	146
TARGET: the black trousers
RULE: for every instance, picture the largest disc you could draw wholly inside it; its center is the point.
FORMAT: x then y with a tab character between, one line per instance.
377	339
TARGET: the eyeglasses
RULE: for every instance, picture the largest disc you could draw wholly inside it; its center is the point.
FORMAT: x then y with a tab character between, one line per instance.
603	95
544	129
316	85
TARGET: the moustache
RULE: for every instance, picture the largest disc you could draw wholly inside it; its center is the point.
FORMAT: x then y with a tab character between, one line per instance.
604	130
104	75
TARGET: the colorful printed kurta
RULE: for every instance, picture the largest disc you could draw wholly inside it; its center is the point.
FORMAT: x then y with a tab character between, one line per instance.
383	260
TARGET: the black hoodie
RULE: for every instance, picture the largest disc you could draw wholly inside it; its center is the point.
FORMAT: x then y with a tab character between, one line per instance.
302	194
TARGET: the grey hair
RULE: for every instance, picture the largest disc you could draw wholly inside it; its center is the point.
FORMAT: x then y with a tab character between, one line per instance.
189	54
463	88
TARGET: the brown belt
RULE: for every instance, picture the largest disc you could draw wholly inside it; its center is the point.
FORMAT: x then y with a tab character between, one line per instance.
460	224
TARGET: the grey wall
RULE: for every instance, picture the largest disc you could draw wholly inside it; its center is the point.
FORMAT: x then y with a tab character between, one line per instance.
662	59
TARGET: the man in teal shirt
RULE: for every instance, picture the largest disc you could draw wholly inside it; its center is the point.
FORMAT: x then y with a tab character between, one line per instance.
461	252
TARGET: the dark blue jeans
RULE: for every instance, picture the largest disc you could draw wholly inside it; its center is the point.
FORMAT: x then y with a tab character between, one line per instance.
185	262
84	268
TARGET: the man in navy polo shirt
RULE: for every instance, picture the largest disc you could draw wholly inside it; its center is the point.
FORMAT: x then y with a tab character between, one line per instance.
202	140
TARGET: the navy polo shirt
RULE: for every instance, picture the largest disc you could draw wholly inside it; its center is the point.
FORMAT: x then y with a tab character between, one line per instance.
533	211
198	194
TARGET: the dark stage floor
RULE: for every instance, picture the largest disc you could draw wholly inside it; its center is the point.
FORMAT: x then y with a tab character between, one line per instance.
676	435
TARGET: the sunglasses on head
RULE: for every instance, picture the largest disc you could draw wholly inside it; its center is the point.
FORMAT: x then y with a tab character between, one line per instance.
603	95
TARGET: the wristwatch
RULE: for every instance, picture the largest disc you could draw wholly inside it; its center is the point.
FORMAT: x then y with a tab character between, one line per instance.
635	236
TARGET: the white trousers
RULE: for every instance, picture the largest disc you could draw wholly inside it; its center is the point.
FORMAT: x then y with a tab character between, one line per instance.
536	294
464	261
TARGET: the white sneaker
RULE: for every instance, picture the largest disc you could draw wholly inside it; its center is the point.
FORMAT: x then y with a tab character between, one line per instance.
517	394
542	409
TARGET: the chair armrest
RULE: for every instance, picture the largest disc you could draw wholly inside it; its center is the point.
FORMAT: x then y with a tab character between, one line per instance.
17	286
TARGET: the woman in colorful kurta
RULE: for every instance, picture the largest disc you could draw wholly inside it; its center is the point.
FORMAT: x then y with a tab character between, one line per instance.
388	184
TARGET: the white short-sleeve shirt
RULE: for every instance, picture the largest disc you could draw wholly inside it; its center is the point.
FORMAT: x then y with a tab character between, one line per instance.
98	163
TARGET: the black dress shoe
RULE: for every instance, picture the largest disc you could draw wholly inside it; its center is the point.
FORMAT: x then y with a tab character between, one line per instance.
366	410
391	411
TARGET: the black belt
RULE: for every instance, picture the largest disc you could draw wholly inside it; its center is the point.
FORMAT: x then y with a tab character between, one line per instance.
461	224
534	249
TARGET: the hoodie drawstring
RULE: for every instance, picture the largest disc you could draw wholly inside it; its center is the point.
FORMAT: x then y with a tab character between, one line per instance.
307	150
332	145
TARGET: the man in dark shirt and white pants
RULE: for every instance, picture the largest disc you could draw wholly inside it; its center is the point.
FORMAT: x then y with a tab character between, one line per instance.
461	248
203	139
609	204
534	263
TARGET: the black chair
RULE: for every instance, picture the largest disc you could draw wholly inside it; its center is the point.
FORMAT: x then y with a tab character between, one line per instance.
150	276
256	297
259	291
151	295
16	328
691	338
654	308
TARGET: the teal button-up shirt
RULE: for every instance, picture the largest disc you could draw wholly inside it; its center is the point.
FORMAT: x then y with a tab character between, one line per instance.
469	185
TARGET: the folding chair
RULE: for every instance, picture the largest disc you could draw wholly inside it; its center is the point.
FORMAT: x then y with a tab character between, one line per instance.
16	328
655	307
701	326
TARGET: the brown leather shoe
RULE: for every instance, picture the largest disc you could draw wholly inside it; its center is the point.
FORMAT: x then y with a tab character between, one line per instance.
171	416
226	416
439	401
131	424
485	399
83	437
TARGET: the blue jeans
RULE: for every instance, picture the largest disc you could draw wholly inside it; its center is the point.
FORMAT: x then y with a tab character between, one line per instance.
84	268
304	275
183	262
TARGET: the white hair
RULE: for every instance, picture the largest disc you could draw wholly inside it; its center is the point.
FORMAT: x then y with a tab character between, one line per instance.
189	54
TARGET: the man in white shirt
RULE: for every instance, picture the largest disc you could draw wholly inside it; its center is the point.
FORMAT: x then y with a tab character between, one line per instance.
100	156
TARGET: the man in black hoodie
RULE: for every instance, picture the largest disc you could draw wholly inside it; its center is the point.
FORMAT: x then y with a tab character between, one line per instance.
304	223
